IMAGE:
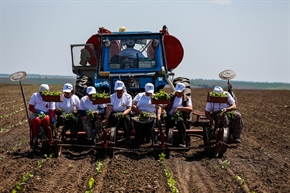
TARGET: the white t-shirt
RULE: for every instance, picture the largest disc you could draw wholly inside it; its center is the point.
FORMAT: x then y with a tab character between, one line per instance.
215	107
178	103
144	102
86	104
68	105
120	105
38	103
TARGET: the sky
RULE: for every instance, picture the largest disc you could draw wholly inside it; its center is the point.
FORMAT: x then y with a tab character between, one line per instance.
250	37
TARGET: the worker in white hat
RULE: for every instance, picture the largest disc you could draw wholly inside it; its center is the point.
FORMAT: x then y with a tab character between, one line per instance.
92	126
142	104
70	104
42	114
213	113
180	106
118	112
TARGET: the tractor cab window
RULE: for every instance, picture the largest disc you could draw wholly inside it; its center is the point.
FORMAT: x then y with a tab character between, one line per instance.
132	53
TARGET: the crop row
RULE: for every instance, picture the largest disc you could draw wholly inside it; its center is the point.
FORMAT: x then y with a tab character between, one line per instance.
28	175
7	102
9	107
12	113
12	126
14	148
91	182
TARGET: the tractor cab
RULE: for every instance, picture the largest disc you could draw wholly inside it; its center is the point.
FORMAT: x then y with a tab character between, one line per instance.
136	58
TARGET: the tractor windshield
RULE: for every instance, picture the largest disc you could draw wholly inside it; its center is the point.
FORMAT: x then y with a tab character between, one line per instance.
132	53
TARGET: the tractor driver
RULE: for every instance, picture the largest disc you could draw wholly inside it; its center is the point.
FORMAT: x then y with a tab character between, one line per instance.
130	52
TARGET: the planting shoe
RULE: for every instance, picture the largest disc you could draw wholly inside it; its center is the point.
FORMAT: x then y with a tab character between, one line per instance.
182	145
237	140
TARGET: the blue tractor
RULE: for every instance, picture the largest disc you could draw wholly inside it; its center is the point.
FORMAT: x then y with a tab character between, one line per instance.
135	57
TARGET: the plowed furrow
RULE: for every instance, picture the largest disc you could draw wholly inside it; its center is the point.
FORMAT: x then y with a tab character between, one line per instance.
62	175
13	170
204	175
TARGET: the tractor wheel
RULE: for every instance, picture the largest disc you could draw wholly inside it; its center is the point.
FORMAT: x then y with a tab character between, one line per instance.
113	135
181	79
82	83
169	140
222	148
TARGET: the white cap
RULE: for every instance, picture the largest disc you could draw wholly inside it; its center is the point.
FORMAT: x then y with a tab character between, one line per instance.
67	87
119	85
91	90
218	89
43	87
149	88
179	87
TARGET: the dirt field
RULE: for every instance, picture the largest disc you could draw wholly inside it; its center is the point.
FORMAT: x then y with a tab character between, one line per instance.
259	164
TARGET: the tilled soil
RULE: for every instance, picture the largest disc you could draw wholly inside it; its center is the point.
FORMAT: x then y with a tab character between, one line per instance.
259	164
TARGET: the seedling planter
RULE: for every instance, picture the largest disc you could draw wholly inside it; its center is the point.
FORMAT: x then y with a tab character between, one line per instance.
49	98
101	101
216	99
160	101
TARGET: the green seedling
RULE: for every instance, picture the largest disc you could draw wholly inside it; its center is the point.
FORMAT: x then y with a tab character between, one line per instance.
100	96
216	94
19	184
10	151
242	181
91	184
178	116
99	166
125	172
50	93
170	181
144	116
225	164
160	95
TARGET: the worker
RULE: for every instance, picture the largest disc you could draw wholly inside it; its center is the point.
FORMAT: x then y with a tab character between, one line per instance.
216	112
130	52
92	124
142	105
177	112
42	115
118	112
67	111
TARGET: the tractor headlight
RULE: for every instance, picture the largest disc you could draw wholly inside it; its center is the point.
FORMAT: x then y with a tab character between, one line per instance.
155	43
